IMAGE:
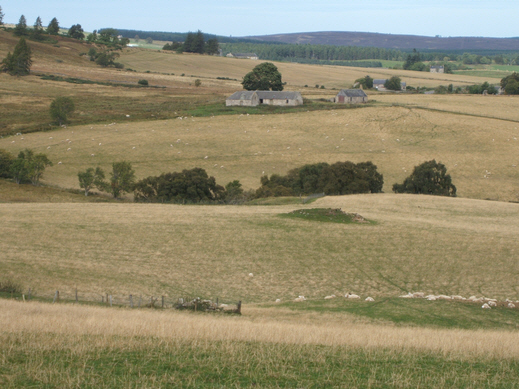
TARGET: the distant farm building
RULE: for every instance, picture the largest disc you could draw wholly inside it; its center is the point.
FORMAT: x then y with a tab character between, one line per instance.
254	98
351	96
243	55
378	84
437	69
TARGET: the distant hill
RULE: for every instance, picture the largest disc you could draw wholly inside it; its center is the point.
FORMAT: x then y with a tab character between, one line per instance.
390	41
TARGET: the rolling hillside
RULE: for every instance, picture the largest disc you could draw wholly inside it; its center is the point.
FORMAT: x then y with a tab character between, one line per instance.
394	41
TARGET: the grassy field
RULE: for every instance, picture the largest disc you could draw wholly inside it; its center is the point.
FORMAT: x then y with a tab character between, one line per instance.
416	243
474	136
47	346
55	238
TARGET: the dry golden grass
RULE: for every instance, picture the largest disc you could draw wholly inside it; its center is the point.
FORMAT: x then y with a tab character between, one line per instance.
420	243
480	153
105	327
296	75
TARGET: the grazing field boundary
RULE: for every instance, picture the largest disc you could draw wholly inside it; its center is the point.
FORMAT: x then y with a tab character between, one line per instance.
452	112
130	301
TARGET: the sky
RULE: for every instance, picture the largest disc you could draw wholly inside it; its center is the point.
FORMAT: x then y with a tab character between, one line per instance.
496	18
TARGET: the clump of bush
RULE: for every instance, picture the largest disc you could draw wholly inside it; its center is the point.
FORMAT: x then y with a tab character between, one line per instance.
143	82
428	178
339	178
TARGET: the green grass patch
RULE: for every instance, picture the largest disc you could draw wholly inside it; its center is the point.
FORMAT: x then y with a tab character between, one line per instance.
64	362
418	312
328	215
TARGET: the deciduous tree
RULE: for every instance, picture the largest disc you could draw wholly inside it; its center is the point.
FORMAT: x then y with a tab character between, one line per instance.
6	159
91	179
122	179
264	76
428	178
394	83
76	32
29	166
60	109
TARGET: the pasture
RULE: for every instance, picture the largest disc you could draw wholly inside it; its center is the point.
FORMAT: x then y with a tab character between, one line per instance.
55	238
480	151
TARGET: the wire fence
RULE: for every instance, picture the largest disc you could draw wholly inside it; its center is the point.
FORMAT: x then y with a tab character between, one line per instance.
130	301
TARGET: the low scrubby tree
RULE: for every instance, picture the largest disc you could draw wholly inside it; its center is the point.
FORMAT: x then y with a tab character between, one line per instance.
428	178
337	179
6	159
92	37
92	178
29	167
190	185
61	108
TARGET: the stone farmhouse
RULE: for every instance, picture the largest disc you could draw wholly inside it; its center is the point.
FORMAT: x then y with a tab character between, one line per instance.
378	84
254	98
253	56
351	96
437	69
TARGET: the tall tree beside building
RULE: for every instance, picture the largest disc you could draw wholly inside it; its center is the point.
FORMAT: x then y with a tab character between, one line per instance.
21	28
19	63
53	27
265	76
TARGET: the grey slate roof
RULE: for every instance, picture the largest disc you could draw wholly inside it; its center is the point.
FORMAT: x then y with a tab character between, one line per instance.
241	95
278	95
379	81
352	93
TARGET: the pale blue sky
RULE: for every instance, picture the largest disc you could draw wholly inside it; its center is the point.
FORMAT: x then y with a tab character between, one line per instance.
496	18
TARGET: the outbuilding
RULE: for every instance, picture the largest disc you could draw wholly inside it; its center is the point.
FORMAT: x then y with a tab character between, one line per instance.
351	96
244	98
254	98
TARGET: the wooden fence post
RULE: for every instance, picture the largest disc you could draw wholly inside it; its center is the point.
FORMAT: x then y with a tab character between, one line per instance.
131	301
107	298
217	302
56	297
140	300
102	299
76	296
239	307
29	296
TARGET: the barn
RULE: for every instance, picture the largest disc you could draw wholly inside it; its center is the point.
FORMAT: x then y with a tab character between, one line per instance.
244	98
351	96
280	98
254	98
